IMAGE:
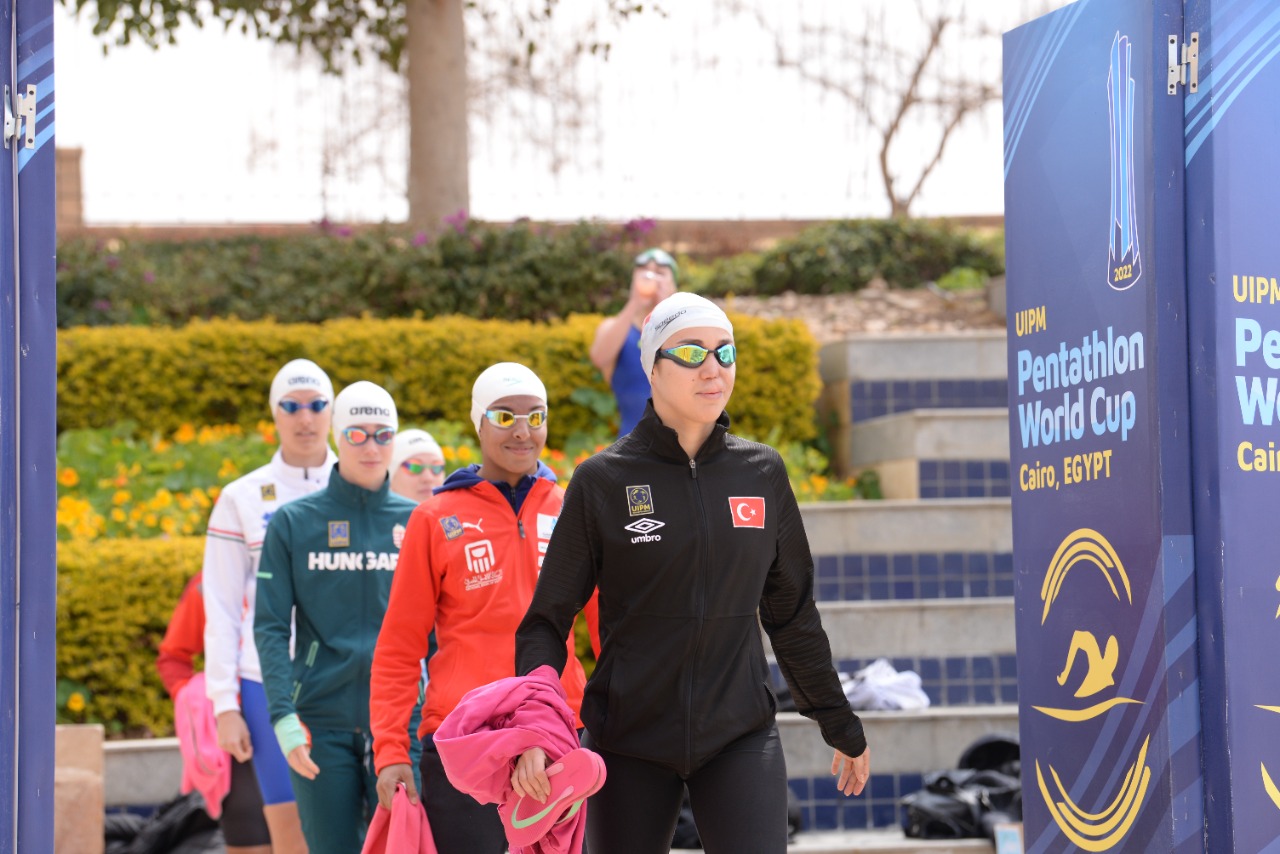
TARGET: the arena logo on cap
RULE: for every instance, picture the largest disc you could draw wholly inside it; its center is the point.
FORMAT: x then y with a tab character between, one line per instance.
639	500
305	379
370	410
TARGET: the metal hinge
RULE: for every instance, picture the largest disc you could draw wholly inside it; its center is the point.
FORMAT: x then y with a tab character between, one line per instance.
20	110
1184	68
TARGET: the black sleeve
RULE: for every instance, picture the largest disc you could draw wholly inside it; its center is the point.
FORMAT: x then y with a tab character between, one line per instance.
790	618
565	584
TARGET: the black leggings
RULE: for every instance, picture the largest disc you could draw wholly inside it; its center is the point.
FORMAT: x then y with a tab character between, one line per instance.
739	800
243	825
459	823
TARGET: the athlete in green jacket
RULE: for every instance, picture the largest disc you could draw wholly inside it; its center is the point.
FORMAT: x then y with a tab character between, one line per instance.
327	562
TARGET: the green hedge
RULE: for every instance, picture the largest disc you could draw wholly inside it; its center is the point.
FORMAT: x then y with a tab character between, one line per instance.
218	372
517	272
844	256
115	598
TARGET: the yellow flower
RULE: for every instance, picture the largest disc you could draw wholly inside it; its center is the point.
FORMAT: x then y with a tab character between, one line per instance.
179	464
68	477
168	525
117	515
121	497
464	454
228	469
162	499
160	446
185	435
149	520
75	702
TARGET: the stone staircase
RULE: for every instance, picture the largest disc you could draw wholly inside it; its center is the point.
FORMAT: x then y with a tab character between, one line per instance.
923	578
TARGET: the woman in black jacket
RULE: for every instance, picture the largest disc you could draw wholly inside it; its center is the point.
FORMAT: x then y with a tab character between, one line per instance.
689	533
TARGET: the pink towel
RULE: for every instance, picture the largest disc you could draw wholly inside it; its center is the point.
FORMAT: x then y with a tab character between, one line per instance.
480	740
403	829
205	766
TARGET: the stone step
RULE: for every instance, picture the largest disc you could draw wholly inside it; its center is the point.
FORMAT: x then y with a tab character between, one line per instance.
869	376
917	549
876	842
908	526
921	628
934	453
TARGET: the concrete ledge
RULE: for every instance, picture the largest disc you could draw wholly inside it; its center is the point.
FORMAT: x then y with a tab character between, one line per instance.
142	772
922	628
965	355
931	434
901	742
909	526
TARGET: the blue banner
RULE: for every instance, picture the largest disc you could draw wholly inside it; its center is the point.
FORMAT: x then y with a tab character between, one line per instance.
1102	524
28	383
1231	126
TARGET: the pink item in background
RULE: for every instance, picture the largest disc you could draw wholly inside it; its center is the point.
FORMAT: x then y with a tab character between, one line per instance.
205	766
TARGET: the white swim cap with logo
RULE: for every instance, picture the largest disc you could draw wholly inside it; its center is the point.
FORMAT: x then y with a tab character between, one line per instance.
300	375
363	402
413	443
504	379
674	314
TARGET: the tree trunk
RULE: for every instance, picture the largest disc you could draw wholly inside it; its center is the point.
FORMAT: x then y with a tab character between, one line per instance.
437	86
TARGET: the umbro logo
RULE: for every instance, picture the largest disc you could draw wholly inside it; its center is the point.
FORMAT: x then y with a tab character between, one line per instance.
645	529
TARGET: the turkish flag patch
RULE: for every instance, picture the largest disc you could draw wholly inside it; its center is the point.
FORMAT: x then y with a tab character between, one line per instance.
747	512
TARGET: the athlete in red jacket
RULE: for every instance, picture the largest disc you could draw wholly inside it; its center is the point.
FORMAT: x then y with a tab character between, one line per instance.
467	569
243	825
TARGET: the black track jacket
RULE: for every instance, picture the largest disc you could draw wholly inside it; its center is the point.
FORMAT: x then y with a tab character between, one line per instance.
684	553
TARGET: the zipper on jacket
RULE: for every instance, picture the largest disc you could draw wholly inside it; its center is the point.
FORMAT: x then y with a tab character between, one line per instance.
520	523
702	613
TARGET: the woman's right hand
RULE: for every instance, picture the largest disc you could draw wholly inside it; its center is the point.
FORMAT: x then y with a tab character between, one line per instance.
529	779
392	776
233	735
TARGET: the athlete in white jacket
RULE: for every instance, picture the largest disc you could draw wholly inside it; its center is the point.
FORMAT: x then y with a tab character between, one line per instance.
300	396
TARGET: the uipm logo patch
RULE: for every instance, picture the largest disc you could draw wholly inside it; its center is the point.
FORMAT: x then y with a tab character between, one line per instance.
639	500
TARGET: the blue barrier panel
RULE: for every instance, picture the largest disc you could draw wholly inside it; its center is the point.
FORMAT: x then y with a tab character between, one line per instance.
27	420
1232	124
1101	494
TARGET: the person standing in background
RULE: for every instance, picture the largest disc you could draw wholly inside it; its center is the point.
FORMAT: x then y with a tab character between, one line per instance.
615	351
300	396
417	465
327	563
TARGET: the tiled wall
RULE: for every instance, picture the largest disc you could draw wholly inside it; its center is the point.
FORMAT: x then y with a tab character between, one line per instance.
964	478
980	680
928	575
956	681
823	807
871	399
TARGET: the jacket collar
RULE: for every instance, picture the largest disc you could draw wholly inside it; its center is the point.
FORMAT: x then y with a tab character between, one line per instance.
467	477
346	492
300	474
665	441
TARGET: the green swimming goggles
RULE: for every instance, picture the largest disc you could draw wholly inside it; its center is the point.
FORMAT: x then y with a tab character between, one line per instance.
691	355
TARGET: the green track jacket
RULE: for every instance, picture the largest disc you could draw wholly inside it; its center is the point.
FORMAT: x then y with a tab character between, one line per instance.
330	555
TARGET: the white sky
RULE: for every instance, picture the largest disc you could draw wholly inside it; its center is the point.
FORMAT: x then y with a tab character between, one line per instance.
690	120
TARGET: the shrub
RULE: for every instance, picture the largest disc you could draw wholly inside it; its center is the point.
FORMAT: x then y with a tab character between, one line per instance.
845	255
517	272
217	372
115	598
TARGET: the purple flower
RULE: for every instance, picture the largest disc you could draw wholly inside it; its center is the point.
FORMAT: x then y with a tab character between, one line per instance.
420	239
638	228
345	231
458	220
102	305
112	262
149	277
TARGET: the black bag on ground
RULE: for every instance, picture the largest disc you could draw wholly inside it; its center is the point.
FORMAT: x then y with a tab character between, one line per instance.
180	826
967	802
